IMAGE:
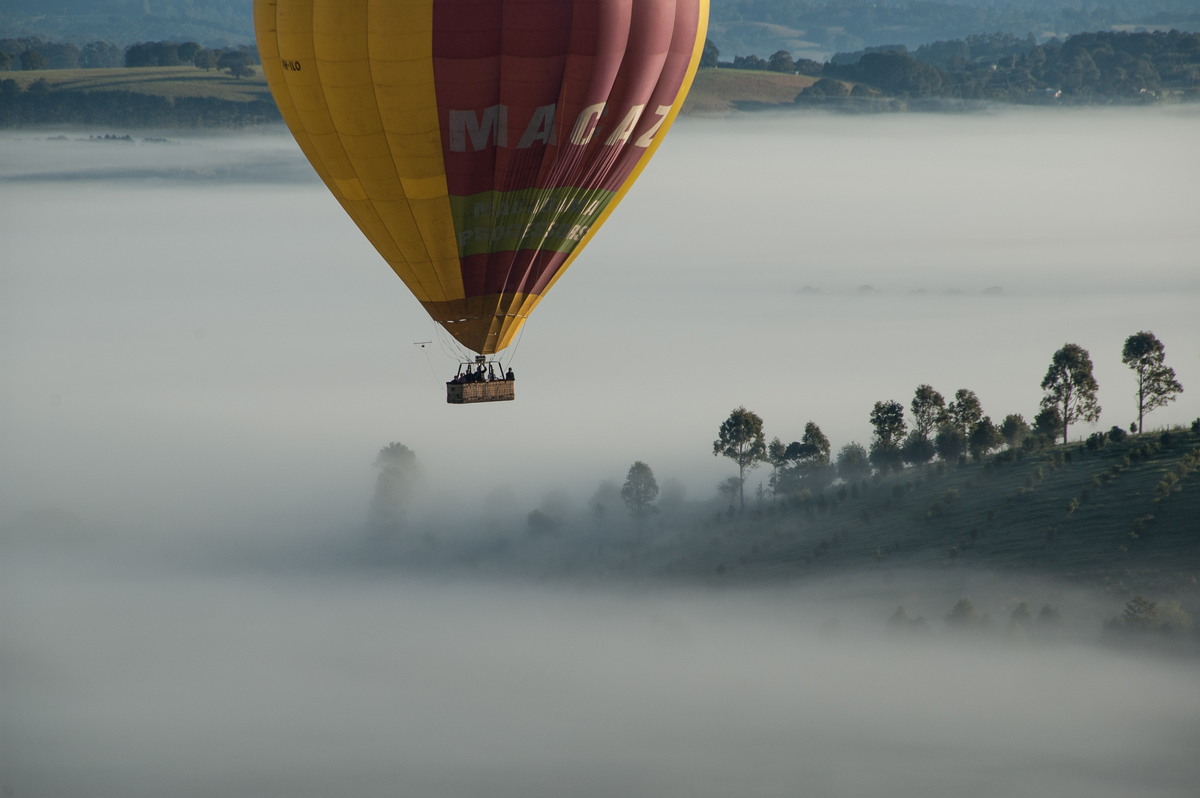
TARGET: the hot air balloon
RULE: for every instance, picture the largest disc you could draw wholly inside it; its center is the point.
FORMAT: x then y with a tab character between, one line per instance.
479	144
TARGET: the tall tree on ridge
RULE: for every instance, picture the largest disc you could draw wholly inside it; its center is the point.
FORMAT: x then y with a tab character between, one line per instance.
1156	383
888	420
1071	387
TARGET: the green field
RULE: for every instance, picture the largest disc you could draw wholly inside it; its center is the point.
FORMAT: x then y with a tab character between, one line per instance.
169	82
719	92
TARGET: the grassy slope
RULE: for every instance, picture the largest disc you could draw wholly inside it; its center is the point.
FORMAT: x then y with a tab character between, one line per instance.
993	516
171	82
719	92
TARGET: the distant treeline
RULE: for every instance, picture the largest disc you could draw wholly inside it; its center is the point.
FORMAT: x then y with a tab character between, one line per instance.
39	105
844	25
33	53
1085	68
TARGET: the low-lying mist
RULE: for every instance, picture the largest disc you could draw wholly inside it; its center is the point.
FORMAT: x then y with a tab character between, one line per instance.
126	680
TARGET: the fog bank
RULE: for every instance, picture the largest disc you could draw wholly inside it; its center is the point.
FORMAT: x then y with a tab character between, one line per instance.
126	683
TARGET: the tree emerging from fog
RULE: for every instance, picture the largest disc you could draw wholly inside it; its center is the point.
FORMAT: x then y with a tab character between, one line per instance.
800	464
606	497
740	438
853	463
640	490
950	442
399	473
1156	383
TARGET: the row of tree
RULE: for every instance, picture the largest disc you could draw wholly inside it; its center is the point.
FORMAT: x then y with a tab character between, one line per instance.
1105	66
949	430
38	104
33	53
843	25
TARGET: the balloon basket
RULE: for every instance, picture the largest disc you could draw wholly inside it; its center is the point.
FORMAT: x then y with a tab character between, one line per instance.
480	381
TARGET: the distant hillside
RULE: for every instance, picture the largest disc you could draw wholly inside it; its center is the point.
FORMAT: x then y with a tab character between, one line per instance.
133	98
813	30
819	29
1123	518
212	23
1126	516
167	82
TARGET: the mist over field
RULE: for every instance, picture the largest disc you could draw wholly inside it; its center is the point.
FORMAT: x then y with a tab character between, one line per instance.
202	358
133	684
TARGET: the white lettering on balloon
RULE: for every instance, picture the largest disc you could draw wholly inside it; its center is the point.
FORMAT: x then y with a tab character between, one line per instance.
474	131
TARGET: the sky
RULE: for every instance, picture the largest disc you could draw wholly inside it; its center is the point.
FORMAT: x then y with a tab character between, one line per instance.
202	358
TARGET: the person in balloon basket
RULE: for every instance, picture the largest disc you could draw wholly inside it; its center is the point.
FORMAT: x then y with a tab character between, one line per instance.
508	375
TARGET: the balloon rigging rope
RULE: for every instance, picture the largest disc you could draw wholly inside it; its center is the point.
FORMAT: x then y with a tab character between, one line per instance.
429	362
448	344
517	345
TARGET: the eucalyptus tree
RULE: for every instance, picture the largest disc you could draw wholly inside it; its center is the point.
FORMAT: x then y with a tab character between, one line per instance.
917	449
950	442
816	460
1014	429
1071	387
805	461
1156	383
965	411
740	438
984	437
888	420
928	409
1047	423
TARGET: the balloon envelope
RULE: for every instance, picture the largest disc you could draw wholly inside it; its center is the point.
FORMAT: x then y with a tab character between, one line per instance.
478	144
